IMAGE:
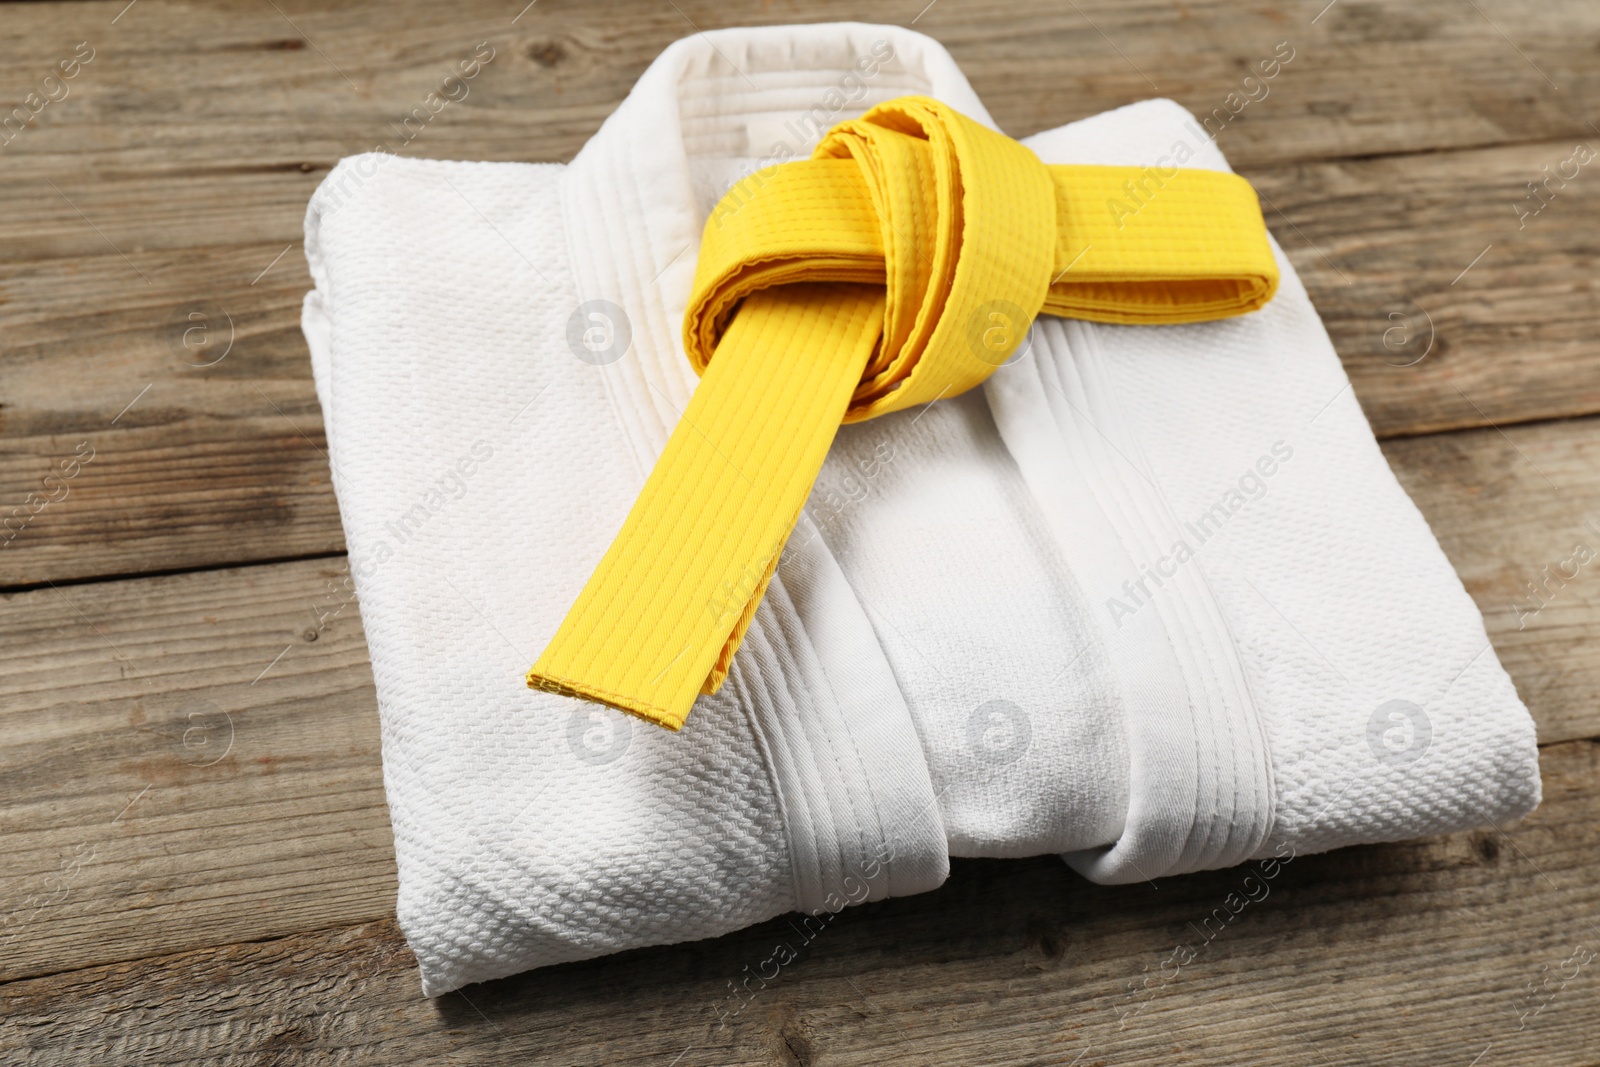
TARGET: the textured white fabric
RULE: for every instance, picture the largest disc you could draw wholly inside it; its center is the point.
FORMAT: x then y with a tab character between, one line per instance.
981	640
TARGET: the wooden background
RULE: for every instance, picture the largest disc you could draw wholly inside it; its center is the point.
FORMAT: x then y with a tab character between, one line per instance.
197	866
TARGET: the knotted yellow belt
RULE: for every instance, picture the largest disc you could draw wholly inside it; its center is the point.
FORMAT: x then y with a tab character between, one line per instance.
902	263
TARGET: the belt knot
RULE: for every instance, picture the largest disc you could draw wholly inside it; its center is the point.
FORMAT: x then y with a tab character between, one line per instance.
953	223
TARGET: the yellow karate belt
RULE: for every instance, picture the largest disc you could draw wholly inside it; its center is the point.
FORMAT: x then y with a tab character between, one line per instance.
902	263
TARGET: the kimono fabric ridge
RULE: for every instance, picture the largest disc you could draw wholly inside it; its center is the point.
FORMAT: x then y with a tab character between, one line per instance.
902	263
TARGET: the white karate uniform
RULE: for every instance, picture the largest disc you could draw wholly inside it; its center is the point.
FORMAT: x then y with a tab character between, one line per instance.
1151	598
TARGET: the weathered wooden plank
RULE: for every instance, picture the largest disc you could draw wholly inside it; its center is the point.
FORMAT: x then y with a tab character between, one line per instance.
1455	295
187	760
290	82
186	493
287	828
1514	509
1472	948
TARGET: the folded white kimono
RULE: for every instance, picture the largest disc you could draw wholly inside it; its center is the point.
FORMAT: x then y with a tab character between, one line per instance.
1150	598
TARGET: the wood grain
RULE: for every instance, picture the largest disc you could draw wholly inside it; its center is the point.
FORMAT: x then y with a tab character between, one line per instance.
117	696
172	182
299	81
1518	507
188	760
1455	297
1479	946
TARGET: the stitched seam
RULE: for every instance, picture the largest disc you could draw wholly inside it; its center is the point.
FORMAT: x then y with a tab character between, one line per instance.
569	687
